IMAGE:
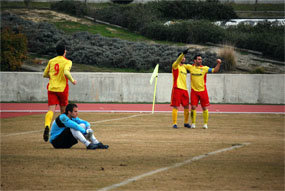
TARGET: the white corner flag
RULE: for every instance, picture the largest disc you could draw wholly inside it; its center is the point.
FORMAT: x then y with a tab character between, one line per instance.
154	75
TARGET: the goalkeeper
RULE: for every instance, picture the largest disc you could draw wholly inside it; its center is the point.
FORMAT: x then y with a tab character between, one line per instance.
67	129
180	95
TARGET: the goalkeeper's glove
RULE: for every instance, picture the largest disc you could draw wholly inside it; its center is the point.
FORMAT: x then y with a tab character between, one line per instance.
185	51
89	133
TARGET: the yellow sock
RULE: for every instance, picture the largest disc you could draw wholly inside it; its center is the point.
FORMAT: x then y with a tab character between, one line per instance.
186	116
174	115
206	116
193	116
48	118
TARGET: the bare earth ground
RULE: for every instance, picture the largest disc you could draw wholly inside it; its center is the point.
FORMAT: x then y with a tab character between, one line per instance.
142	143
246	62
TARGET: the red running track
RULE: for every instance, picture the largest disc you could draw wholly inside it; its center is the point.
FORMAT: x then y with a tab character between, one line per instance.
20	109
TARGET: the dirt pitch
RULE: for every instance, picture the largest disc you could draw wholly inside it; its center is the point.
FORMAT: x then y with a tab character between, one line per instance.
141	143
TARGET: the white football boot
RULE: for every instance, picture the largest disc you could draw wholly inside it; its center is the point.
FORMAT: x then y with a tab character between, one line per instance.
193	126
205	126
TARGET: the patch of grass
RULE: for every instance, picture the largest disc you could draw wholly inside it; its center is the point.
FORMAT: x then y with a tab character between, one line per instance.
258	70
34	5
104	30
261	15
107	31
258	7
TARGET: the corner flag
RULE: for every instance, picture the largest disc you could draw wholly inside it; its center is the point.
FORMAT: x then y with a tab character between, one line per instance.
154	75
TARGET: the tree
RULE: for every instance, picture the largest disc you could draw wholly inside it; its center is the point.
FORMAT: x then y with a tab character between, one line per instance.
13	50
27	3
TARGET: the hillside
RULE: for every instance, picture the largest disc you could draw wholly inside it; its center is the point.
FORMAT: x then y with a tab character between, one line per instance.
246	62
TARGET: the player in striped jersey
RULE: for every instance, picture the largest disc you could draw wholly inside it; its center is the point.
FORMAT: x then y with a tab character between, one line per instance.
198	88
58	72
180	95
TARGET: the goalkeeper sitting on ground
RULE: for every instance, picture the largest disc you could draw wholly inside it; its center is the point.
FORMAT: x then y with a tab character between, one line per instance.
67	129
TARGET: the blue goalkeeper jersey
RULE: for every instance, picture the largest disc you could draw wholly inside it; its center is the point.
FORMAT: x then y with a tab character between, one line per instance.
62	122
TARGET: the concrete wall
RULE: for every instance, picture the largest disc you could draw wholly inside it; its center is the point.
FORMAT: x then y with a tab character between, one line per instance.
145	1
135	87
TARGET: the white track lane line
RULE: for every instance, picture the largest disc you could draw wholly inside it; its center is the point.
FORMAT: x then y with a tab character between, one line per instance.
130	180
102	121
107	120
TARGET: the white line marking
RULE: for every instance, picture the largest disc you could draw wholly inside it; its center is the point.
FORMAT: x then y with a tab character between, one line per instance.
127	181
107	120
102	121
23	133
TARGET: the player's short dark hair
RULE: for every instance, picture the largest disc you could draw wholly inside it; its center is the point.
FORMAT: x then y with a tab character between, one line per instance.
70	107
60	48
196	56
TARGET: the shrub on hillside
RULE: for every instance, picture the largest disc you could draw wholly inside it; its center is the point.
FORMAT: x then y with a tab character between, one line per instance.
71	7
86	48
13	50
227	53
122	1
188	32
264	37
212	10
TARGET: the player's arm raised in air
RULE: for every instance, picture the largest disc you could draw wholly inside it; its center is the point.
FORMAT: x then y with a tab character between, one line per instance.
179	59
217	68
68	74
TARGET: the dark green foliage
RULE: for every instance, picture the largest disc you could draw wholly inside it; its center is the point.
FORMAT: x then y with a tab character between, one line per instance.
194	10
13	49
71	7
201	31
264	37
86	48
122	1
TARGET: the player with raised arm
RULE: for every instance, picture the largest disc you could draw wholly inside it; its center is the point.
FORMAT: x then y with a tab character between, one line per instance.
180	95
198	88
58	72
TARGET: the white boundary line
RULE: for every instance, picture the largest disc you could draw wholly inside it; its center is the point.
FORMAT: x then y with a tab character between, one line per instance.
130	180
129	111
102	121
107	120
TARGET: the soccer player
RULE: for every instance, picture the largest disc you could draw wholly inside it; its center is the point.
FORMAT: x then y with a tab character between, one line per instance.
180	95
67	129
58	72
198	88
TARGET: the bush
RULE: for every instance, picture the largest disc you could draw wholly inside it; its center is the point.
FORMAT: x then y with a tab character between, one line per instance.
86	48
228	56
122	1
188	32
213	10
264	37
70	7
13	50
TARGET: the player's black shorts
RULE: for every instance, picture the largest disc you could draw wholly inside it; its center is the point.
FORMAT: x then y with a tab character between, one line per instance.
64	140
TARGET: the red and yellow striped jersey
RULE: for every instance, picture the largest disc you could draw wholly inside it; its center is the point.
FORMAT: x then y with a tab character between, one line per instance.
198	76
58	72
179	73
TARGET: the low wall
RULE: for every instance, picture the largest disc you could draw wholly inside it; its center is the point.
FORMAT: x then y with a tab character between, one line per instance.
145	1
135	87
